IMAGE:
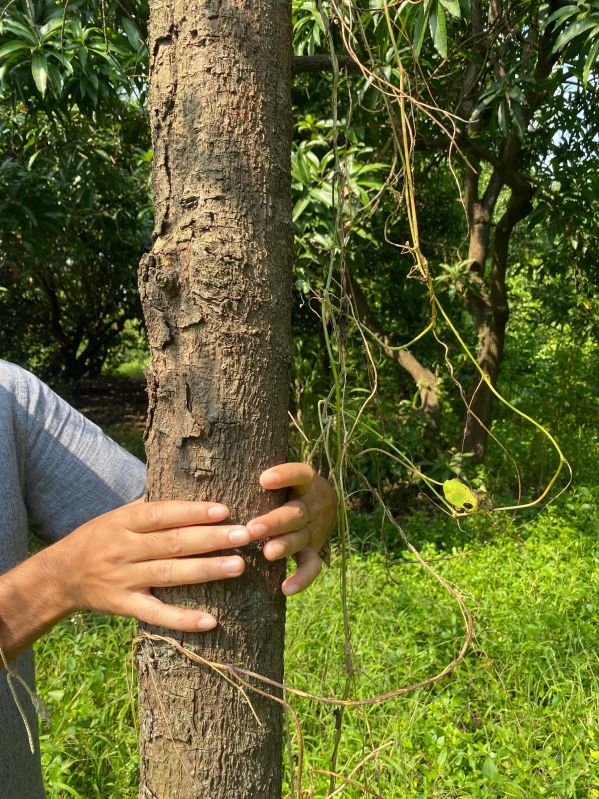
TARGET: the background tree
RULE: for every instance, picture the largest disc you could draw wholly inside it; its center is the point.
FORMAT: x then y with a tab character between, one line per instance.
487	79
74	168
216	296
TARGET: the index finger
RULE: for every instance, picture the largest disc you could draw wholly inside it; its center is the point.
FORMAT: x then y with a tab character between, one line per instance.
296	475
150	516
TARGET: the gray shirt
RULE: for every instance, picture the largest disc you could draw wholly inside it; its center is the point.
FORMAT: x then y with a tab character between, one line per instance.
57	471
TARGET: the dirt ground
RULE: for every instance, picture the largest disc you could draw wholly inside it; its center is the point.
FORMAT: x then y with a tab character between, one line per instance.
110	400
117	405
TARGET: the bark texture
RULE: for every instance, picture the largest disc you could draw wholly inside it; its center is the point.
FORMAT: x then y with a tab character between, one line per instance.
216	295
488	305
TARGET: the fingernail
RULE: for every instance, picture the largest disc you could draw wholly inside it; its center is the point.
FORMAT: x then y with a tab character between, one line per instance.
232	565
206	623
276	550
272	476
239	536
257	528
218	511
291	589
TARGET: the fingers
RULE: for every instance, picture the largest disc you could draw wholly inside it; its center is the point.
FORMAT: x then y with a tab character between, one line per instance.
291	516
150	516
296	475
149	609
186	571
181	542
287	545
309	566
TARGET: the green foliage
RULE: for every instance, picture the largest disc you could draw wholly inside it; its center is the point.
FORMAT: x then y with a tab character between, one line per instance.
517	719
552	370
69	51
578	38
514	720
74	169
89	691
308	27
74	221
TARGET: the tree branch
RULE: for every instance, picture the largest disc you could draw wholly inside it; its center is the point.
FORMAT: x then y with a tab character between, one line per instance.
322	63
423	377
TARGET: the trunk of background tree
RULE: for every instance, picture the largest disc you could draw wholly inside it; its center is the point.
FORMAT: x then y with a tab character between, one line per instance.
489	306
488	302
216	297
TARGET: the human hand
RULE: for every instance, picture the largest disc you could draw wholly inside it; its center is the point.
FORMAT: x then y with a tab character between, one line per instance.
301	527
112	562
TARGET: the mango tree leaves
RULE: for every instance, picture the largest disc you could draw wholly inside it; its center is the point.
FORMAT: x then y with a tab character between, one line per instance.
47	49
39	70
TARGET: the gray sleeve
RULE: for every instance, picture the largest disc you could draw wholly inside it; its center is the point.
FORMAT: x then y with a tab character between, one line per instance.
72	471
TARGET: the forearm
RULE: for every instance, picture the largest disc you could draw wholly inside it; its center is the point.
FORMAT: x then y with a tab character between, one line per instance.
32	600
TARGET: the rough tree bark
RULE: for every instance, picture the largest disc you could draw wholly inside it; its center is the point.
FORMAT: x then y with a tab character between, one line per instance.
216	295
488	303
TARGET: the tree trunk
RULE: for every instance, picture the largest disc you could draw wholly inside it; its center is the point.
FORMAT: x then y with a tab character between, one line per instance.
480	408
490	314
216	292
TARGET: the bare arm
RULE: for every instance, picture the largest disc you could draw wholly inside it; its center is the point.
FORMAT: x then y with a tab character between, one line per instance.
31	601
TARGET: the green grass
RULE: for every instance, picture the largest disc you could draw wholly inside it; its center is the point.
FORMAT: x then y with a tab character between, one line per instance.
128	437
517	719
134	370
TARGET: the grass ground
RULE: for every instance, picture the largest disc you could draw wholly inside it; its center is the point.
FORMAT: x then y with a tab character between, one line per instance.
519	718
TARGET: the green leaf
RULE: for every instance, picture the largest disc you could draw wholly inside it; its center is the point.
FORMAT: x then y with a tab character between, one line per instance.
33	159
438	27
12	47
459	495
562	14
323	196
83	54
452	6
490	770
132	33
50	29
518	118
502	117
590	62
39	70
319	20
67	789
25	33
56	79
64	61
300	168
299	208
574	30
420	27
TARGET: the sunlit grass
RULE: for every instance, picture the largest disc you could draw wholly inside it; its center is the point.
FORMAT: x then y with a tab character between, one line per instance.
518	718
